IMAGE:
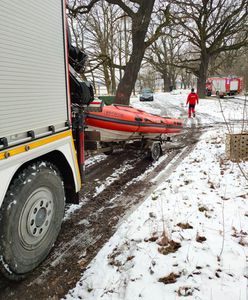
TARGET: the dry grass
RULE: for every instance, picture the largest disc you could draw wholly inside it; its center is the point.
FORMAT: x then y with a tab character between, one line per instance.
185	225
170	248
171	278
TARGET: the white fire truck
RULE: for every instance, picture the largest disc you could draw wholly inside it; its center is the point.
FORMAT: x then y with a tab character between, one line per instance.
41	136
223	86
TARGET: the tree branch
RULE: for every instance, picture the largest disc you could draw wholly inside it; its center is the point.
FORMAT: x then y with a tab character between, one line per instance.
122	5
158	31
81	9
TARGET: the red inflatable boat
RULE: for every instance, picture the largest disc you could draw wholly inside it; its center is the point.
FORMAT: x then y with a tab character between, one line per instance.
116	122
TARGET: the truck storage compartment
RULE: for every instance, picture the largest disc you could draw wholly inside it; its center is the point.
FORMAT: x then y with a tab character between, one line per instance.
33	85
234	85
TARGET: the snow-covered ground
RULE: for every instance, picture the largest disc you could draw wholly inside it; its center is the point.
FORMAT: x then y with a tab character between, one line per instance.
190	236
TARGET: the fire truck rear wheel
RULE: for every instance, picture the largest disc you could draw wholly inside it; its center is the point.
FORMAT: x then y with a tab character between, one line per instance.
30	219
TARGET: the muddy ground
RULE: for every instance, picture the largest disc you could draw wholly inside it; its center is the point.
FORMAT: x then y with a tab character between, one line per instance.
90	227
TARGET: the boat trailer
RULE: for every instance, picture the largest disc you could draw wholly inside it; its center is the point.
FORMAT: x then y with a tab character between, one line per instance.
152	147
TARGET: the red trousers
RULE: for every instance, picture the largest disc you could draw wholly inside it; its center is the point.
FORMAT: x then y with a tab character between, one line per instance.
191	110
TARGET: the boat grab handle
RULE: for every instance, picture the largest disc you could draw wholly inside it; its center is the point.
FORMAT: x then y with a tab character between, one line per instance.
138	119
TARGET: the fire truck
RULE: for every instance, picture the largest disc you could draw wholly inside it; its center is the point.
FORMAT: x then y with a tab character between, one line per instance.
223	86
41	131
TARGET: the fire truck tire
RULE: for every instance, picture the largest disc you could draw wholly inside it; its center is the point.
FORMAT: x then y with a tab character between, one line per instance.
30	219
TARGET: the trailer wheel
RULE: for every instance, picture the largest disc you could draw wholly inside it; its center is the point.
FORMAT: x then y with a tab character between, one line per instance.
155	151
30	219
108	152
107	145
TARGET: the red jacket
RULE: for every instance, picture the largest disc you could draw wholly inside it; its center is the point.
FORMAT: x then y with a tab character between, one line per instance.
192	98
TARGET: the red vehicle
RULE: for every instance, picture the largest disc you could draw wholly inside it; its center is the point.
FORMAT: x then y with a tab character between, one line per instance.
223	86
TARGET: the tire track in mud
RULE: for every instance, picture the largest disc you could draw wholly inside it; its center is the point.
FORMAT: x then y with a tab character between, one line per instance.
61	269
91	226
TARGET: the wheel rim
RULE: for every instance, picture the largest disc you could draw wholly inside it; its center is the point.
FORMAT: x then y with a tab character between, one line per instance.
156	152
36	217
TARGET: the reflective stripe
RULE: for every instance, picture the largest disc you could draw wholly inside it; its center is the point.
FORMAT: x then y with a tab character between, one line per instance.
35	144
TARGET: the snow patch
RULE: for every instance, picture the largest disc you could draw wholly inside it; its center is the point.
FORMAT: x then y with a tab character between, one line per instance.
202	206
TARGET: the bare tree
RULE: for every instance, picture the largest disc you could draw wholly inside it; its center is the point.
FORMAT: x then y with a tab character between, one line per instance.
101	35
211	27
146	78
101	31
140	15
163	54
186	79
139	12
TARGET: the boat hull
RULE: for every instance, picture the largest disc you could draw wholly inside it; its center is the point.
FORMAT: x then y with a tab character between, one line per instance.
108	135
118	123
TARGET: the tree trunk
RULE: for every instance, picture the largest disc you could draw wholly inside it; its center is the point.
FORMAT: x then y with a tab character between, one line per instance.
107	78
174	82
94	83
134	91
127	82
120	57
140	23
167	83
201	80
113	81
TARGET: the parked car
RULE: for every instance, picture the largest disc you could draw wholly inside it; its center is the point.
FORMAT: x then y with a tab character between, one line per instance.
146	95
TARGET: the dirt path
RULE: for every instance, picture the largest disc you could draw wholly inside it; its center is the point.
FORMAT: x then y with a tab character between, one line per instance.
91	226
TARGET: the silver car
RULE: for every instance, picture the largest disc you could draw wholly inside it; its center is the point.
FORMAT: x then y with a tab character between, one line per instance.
146	95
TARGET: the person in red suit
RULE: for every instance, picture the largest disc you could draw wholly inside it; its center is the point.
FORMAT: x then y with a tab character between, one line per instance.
192	100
